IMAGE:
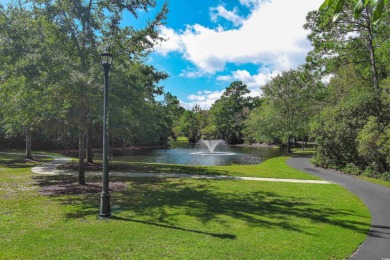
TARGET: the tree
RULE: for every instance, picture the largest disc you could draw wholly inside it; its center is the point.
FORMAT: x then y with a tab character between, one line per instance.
290	100
374	145
350	40
28	92
190	125
351	129
91	25
172	112
349	137
336	6
263	124
136	116
228	114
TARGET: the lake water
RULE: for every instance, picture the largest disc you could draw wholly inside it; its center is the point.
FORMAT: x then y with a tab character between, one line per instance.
182	153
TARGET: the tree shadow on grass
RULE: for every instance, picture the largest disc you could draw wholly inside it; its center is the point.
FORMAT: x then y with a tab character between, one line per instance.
222	236
164	203
13	160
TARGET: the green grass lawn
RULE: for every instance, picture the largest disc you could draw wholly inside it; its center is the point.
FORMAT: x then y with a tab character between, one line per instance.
178	218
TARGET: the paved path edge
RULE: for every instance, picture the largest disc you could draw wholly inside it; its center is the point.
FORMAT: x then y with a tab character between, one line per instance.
375	197
50	168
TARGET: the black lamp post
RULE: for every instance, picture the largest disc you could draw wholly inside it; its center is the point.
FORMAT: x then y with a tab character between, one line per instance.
105	209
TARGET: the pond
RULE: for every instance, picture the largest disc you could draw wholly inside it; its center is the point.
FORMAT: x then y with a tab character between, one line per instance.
190	154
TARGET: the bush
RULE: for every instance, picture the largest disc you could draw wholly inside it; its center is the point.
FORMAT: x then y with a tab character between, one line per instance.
385	176
370	172
351	168
373	141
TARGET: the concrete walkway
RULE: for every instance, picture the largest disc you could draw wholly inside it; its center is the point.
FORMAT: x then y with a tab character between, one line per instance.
50	168
377	199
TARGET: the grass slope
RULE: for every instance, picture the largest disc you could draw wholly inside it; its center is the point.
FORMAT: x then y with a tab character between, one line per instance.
179	218
272	168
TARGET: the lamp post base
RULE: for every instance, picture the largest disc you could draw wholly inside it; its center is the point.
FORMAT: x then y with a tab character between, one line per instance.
105	205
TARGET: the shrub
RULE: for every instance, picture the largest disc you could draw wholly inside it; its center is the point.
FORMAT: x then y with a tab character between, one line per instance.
373	141
351	168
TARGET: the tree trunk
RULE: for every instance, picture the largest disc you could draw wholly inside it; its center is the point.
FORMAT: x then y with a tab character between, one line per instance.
374	71
28	143
371	48
81	157
89	145
303	143
288	144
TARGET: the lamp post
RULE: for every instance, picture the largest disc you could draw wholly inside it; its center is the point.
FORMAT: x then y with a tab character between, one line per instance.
105	209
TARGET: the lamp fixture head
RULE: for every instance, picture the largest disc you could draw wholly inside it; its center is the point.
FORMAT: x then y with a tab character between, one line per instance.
106	57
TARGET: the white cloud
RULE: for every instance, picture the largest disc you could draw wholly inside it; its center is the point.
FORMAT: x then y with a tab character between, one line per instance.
224	78
220	11
172	41
204	99
191	74
271	35
254	82
250	3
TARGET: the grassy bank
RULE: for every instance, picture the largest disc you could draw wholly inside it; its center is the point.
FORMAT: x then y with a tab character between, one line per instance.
272	168
49	217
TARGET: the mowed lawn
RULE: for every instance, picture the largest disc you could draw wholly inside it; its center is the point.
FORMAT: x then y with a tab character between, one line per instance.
46	217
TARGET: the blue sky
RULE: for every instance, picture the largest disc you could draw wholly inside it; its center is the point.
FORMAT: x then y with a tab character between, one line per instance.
211	43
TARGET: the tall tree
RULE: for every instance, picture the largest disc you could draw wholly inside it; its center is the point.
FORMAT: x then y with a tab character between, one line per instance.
336	6
190	125
347	40
91	25
289	103
28	92
228	114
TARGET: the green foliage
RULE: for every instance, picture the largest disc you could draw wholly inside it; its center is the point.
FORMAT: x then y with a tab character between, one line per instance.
263	125
190	125
347	134
374	145
337	7
351	130
51	74
227	115
351	168
290	100
337	127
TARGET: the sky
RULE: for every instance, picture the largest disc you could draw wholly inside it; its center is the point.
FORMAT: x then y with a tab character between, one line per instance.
211	43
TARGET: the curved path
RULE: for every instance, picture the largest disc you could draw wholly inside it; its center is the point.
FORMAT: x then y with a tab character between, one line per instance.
376	198
50	168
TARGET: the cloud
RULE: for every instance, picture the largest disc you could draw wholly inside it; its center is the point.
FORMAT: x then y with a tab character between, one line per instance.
220	11
204	99
191	74
250	3
271	35
224	78
254	82
172	41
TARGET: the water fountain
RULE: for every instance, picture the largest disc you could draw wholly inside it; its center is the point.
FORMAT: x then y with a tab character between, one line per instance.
211	145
